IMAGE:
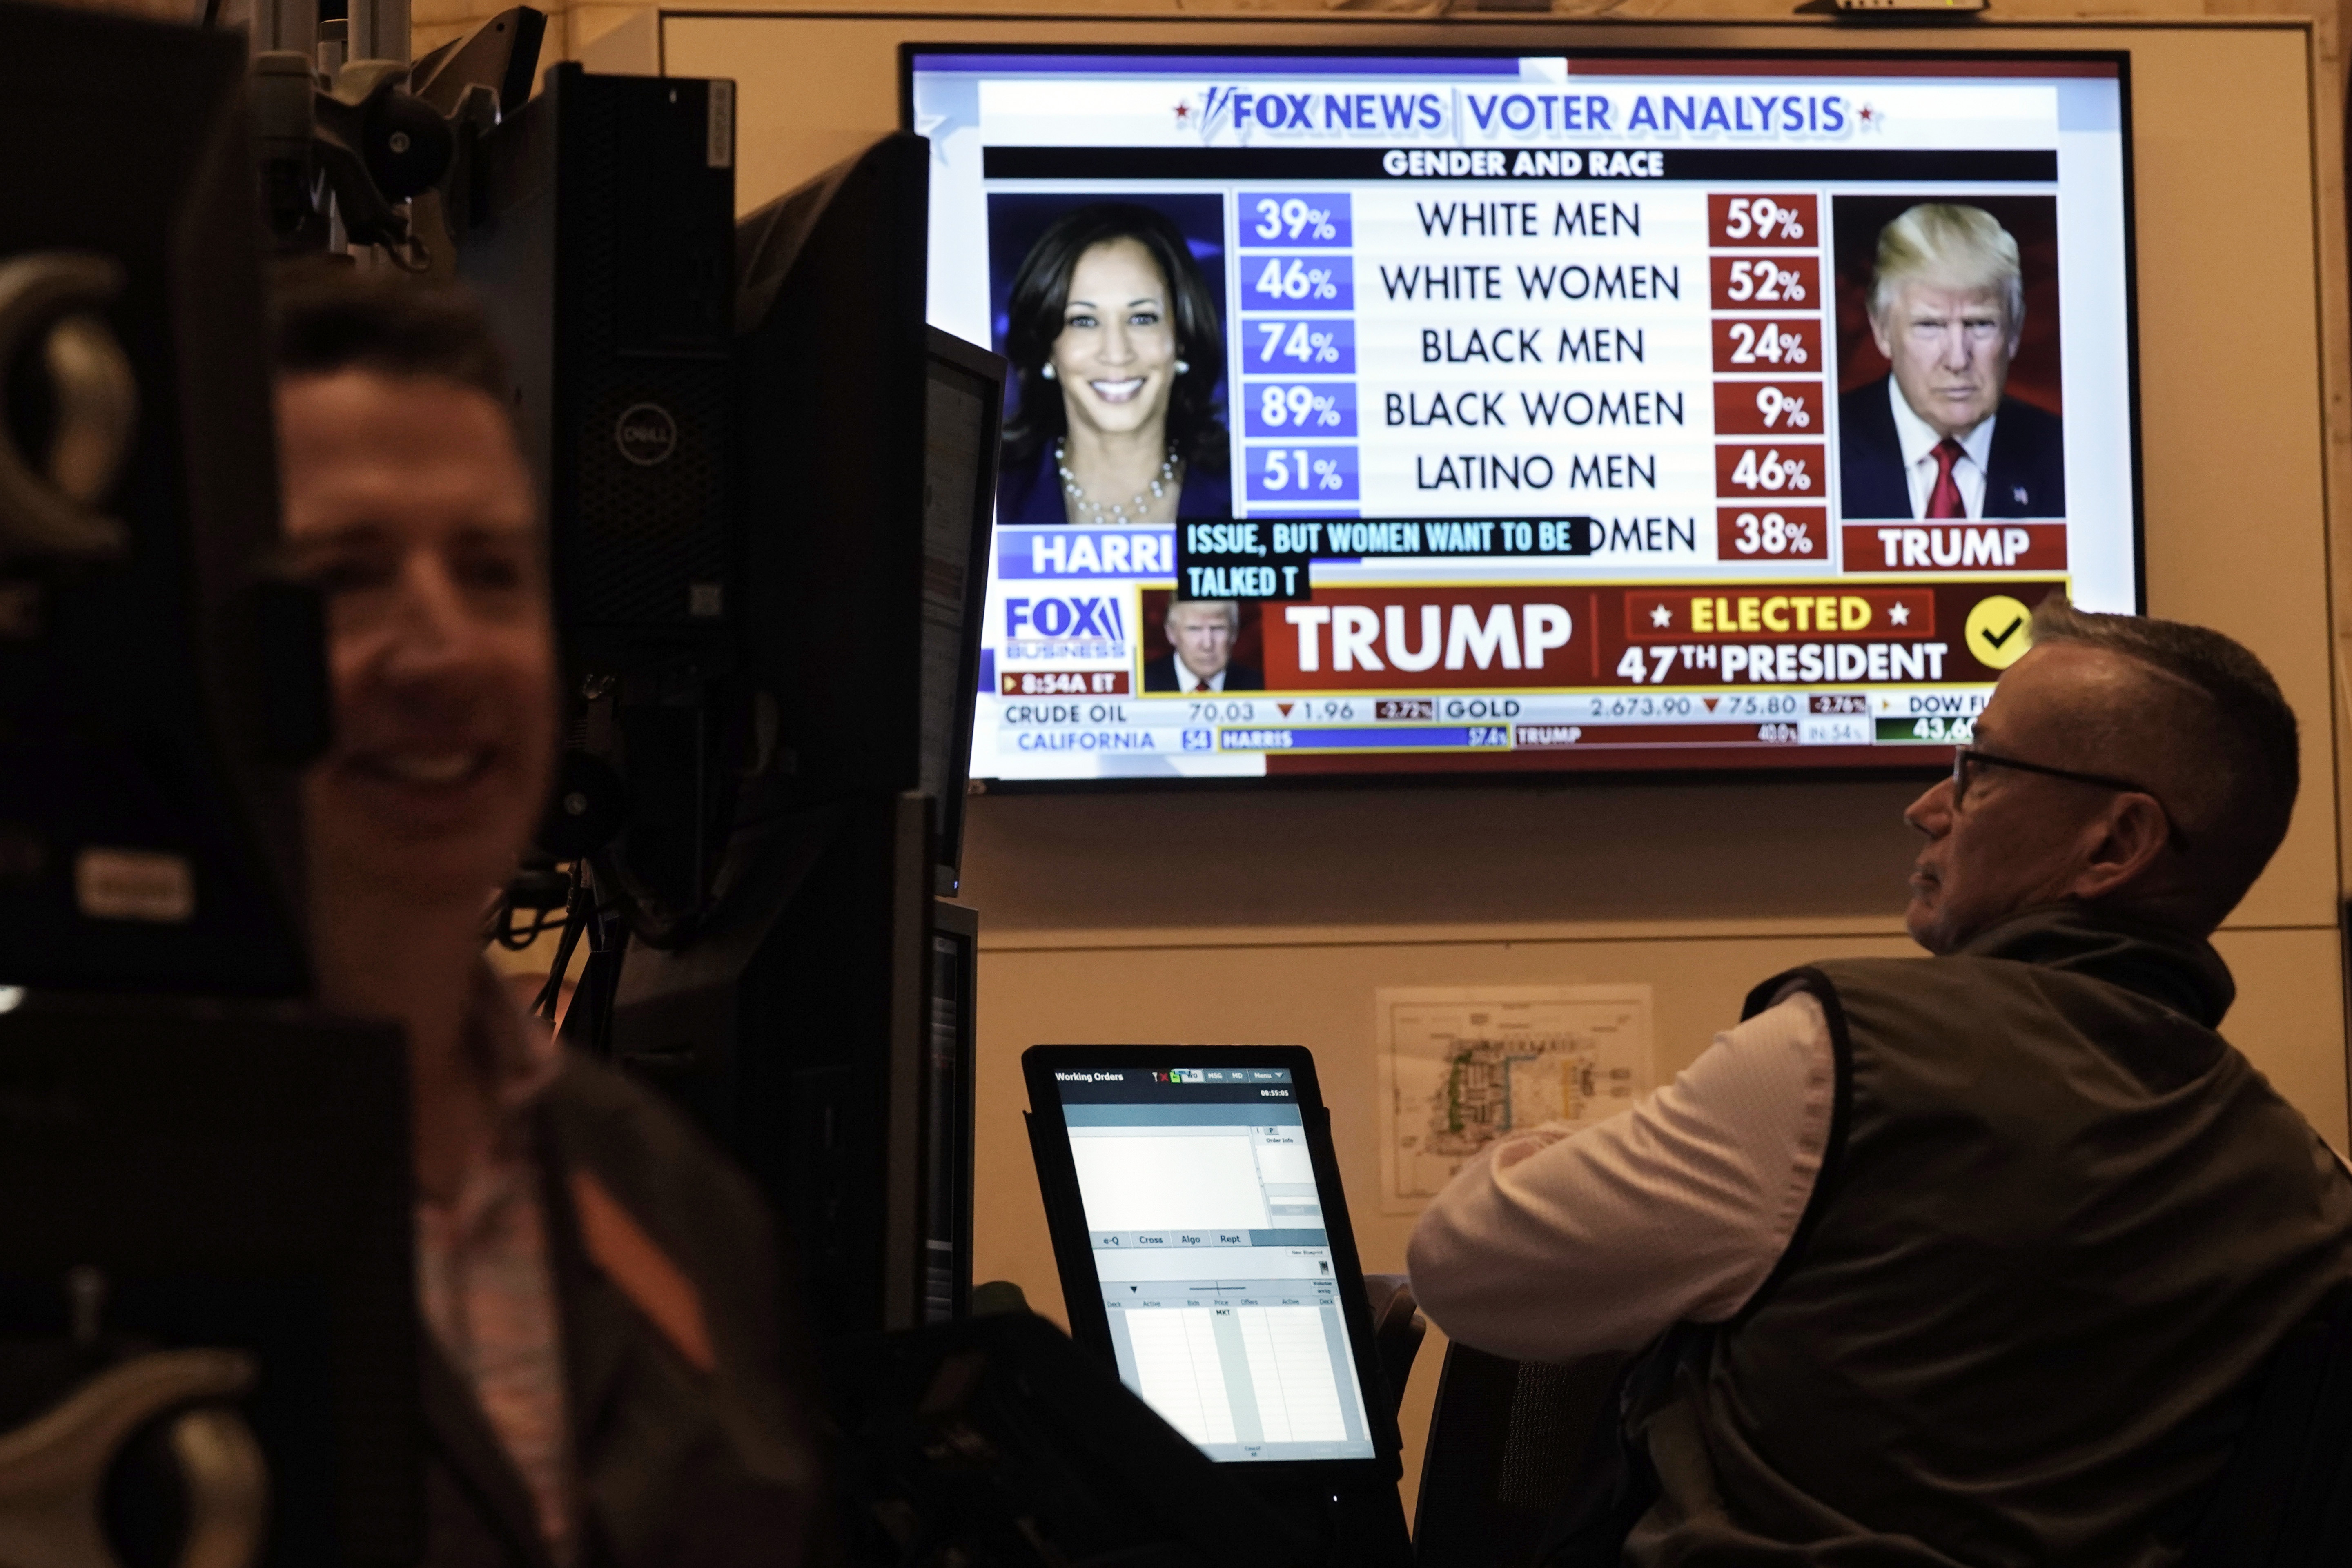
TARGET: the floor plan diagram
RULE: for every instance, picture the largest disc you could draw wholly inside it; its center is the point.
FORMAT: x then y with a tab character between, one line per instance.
1462	1067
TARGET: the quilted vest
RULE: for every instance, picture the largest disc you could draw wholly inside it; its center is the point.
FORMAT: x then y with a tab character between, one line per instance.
2059	1224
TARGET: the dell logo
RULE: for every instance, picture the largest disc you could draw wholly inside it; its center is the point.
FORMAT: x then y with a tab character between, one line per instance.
646	434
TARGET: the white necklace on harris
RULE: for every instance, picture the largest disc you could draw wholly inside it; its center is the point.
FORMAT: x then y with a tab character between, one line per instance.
1084	510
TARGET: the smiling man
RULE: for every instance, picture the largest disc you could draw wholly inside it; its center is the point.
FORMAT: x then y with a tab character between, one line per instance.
600	1366
1939	437
1969	1260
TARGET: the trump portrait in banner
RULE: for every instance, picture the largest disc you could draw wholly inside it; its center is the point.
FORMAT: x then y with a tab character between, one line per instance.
1938	437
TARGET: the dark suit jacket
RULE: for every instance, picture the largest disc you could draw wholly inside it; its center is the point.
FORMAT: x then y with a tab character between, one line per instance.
1032	493
1160	675
674	1469
2025	472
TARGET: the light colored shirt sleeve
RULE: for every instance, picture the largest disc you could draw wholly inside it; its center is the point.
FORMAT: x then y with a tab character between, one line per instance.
1556	1243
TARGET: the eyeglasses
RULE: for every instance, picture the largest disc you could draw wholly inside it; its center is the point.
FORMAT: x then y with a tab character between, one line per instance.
1963	758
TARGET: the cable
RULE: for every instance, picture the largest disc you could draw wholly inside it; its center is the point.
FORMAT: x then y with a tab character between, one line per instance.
539	885
576	915
514	939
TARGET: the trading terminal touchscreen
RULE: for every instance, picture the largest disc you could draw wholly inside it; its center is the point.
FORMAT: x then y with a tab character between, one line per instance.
1202	1242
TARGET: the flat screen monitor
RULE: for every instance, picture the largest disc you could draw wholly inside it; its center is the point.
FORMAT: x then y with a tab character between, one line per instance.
1202	1235
869	457
963	394
1378	413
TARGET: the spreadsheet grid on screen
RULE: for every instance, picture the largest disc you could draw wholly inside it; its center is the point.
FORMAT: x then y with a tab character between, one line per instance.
1207	1233
1556	414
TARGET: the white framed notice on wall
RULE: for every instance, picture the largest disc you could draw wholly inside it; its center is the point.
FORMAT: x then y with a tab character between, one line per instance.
1463	1066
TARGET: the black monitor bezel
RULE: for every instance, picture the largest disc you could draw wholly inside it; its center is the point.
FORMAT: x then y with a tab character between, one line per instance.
1927	762
944	348
1082	1286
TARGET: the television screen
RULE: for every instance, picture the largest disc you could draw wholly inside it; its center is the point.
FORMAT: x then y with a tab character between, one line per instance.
1376	412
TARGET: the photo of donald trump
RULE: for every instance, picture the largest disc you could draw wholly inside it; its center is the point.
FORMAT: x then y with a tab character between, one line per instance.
1938	437
1200	636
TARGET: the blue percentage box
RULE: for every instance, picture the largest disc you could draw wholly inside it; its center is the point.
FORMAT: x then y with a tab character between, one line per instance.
1289	345
1319	219
1322	409
1302	473
1278	281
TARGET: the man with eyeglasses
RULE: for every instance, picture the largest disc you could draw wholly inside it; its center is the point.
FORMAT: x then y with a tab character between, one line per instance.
1966	1261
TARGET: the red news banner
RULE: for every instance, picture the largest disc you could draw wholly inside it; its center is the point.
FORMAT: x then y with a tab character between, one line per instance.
1542	636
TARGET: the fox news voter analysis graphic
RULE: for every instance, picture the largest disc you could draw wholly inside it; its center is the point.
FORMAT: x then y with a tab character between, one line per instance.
1378	413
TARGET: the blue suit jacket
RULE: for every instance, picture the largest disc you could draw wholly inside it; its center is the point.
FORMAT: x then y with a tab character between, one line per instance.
2025	472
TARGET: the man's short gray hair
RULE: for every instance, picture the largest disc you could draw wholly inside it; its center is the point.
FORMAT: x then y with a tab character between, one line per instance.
1949	243
2228	727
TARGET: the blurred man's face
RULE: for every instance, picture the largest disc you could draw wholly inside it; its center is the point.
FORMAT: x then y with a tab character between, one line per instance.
1202	638
2018	840
1950	349
409	504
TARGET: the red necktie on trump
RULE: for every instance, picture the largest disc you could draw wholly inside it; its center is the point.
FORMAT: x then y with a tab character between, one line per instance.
1944	500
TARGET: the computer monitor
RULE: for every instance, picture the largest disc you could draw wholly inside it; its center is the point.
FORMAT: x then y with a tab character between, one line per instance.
1532	410
1203	1238
963	408
950	1056
868	464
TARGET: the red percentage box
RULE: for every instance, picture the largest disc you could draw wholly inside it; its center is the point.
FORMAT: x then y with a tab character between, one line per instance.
1764	347
1764	222
1769	407
1777	471
1760	532
1765	283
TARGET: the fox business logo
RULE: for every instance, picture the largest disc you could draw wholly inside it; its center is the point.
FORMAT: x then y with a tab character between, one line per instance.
1067	627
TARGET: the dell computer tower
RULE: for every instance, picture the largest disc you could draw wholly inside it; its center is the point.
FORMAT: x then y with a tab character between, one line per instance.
598	230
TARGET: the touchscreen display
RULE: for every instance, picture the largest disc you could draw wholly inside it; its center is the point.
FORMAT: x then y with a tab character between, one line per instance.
1207	1234
1379	413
